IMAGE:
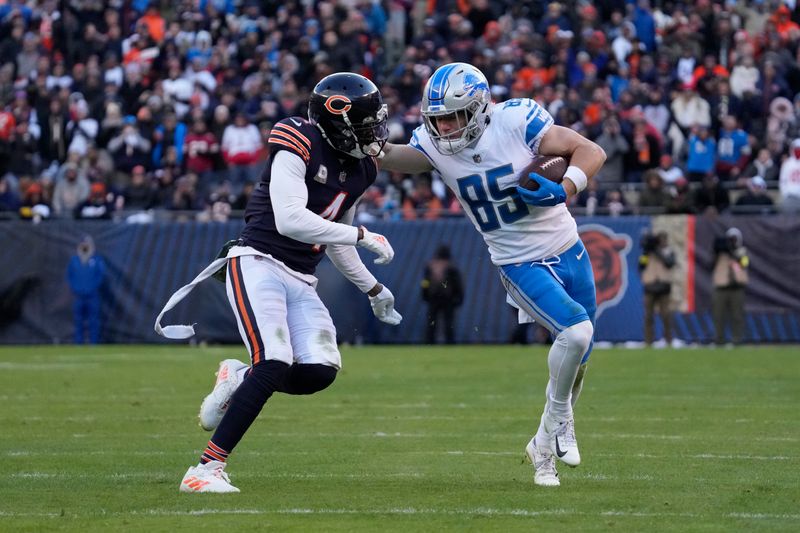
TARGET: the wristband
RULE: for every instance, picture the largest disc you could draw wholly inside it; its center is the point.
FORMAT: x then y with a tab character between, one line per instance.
576	176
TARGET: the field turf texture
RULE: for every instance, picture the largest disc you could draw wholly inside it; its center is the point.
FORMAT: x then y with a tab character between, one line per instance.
407	439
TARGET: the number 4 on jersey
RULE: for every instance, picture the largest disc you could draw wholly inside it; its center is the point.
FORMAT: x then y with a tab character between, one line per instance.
332	212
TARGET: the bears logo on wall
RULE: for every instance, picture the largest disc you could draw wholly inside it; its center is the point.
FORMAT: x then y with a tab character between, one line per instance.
608	252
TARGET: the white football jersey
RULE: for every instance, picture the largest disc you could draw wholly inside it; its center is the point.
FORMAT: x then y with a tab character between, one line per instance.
484	177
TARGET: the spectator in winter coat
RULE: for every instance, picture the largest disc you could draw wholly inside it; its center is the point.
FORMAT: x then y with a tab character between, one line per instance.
70	191
654	196
170	133
99	205
138	195
711	197
241	145
200	147
755	200
616	147
129	149
645	151
702	154
668	171
763	166
790	180
733	149
688	110
745	77
82	129
682	202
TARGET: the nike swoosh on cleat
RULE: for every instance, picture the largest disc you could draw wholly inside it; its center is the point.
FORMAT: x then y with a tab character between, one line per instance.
558	449
550	197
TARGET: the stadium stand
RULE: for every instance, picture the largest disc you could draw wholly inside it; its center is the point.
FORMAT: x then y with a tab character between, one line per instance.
143	111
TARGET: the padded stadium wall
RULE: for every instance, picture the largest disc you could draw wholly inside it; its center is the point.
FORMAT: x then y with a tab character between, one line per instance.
146	263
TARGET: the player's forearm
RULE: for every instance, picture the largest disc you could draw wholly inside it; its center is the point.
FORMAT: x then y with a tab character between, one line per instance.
403	158
302	225
569	187
587	158
347	261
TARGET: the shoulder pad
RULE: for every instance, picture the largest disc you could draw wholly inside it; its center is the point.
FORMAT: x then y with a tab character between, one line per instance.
292	134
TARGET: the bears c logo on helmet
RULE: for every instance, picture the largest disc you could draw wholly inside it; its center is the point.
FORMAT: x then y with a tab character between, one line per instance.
338	104
608	252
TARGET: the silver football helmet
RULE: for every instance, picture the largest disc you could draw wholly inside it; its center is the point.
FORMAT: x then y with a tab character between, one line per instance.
461	91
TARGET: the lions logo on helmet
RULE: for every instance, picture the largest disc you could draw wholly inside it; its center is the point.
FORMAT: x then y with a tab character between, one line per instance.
349	111
460	91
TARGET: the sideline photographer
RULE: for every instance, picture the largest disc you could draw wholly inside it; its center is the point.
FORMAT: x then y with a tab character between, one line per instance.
730	279
655	263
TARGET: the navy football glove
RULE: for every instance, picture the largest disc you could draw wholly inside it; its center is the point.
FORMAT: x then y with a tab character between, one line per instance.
549	193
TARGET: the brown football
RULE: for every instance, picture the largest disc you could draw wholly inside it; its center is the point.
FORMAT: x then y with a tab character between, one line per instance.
551	167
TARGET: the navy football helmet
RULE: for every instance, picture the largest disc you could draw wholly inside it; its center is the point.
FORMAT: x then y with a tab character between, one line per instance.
349	111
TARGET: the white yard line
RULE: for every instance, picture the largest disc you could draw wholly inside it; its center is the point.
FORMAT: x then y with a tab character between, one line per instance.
161	475
458	436
404	512
195	452
46	366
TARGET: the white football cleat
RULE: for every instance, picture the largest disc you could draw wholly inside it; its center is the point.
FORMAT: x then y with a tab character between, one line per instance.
544	465
229	376
563	442
210	477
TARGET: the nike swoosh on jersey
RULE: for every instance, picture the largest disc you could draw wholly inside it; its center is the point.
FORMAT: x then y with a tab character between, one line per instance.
578	257
295	122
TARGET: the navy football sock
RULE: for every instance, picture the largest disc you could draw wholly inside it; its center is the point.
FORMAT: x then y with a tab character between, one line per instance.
307	379
246	403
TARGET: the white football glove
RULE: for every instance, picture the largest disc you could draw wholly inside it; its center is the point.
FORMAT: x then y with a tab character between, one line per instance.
383	307
378	244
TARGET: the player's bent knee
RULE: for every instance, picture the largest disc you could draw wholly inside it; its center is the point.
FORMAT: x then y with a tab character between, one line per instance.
268	375
579	335
311	378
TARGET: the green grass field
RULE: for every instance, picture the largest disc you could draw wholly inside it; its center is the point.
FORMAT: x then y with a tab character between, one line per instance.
407	439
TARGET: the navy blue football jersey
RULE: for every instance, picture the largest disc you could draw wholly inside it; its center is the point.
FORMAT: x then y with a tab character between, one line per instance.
335	182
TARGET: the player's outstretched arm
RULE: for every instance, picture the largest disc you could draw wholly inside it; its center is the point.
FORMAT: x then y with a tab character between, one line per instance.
403	158
289	196
585	157
346	260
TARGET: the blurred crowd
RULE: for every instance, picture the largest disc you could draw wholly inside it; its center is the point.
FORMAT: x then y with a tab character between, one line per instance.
112	109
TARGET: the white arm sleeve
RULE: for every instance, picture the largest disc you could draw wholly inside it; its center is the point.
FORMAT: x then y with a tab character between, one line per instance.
346	260
289	196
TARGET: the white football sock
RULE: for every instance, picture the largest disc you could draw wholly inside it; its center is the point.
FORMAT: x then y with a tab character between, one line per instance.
578	386
563	361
